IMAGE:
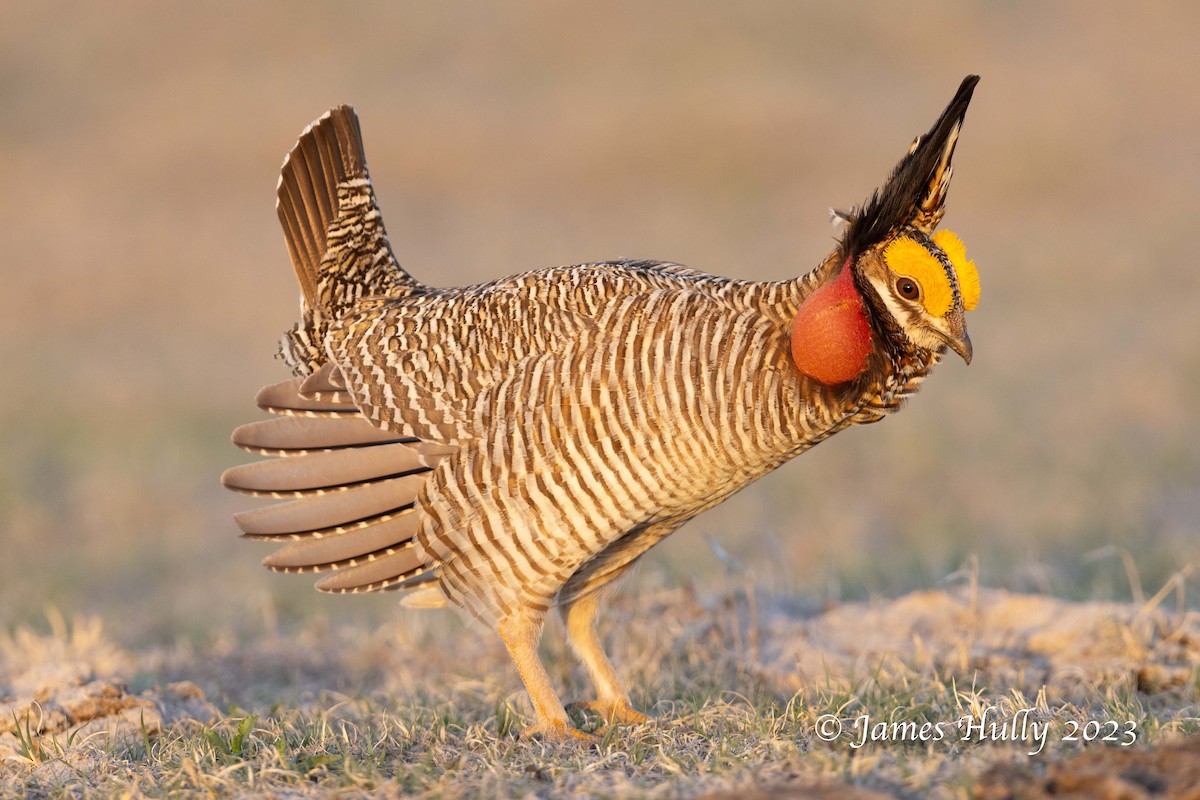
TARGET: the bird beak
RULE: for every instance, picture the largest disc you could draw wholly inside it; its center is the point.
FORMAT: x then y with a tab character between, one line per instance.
956	337
962	346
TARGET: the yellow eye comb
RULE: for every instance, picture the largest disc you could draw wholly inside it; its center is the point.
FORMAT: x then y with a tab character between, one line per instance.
968	275
909	257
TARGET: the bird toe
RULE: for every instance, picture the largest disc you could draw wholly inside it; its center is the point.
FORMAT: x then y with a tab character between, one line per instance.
557	731
610	712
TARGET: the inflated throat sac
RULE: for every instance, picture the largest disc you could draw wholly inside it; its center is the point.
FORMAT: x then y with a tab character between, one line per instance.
831	337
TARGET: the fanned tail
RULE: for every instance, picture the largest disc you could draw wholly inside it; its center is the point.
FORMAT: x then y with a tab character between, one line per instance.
334	232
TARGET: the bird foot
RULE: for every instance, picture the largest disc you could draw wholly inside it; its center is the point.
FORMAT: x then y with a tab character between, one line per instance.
557	731
619	711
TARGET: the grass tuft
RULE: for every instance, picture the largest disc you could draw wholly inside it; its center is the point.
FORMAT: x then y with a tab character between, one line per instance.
738	691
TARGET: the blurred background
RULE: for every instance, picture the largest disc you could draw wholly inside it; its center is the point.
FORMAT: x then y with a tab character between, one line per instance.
145	281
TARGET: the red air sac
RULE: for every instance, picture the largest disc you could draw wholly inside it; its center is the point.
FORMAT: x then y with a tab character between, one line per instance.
830	335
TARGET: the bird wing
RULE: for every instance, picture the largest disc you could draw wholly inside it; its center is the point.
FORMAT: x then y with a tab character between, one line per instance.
422	364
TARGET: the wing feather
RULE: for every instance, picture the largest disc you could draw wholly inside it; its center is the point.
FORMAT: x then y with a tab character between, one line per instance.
286	398
330	509
346	549
313	473
326	384
286	435
381	572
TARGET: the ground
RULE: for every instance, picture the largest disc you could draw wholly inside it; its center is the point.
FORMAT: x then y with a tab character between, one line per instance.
953	692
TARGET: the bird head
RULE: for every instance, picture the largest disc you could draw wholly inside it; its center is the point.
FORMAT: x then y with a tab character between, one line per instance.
894	282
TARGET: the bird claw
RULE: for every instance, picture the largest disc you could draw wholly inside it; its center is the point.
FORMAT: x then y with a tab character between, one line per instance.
557	731
619	711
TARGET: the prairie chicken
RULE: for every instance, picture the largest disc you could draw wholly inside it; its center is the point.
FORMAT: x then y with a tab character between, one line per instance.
517	445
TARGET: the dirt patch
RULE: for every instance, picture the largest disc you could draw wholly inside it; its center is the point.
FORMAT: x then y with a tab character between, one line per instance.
1168	771
64	696
1165	772
1016	641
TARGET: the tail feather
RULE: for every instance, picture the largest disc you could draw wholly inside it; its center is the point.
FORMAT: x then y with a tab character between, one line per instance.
334	232
329	152
305	240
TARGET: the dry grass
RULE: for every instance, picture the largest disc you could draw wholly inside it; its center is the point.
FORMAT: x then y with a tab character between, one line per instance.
738	685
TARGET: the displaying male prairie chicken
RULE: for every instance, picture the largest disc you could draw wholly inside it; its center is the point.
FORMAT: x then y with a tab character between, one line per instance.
517	445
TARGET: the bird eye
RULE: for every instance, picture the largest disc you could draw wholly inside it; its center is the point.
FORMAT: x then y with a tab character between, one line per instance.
908	288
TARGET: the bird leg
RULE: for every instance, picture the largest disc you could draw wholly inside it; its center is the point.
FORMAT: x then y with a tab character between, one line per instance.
612	702
521	634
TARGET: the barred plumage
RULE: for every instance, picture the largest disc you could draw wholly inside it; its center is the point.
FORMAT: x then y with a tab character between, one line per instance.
517	445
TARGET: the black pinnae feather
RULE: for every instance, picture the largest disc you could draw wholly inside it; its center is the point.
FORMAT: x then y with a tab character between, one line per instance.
915	183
